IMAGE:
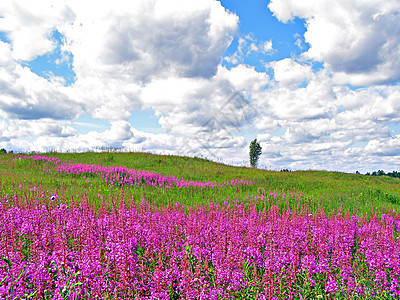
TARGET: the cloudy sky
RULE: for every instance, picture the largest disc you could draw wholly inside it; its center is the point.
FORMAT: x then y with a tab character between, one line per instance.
315	81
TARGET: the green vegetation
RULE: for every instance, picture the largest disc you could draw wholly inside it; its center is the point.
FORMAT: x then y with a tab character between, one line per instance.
255	152
394	174
330	189
114	225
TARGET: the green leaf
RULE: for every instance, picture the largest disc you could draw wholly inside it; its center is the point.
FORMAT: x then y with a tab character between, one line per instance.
31	295
6	260
20	273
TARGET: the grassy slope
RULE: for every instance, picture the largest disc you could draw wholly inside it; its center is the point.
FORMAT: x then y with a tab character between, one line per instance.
333	188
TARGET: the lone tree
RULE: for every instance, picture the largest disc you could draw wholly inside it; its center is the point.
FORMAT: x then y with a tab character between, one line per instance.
255	152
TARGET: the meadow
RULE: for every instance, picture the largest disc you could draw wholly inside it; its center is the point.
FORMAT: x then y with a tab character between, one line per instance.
141	226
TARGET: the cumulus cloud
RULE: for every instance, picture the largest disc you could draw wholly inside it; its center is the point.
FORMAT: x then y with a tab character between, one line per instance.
29	26
126	55
290	73
138	43
18	129
146	40
25	95
117	49
384	147
314	101
193	104
115	137
357	40
243	78
247	46
323	125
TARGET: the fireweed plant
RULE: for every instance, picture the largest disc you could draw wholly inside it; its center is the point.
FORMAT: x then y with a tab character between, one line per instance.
270	245
123	176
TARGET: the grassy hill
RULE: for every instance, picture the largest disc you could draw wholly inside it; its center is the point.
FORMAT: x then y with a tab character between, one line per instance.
142	226
330	189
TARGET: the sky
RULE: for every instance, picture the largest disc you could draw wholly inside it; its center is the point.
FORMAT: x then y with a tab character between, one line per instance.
315	81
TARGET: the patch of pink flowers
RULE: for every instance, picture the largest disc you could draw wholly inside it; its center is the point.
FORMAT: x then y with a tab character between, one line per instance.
211	252
123	176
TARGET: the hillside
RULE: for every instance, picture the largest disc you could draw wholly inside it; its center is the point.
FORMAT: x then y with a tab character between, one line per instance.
142	226
333	189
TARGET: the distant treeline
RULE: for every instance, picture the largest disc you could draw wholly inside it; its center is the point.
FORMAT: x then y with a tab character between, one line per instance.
394	174
4	151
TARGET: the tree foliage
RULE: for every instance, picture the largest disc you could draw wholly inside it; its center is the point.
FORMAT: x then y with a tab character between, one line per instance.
394	174
255	152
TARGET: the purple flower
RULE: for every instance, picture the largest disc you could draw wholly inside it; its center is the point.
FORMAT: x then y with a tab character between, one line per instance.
332	285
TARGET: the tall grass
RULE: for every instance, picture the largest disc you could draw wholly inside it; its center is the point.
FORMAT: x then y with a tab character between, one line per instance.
333	189
88	226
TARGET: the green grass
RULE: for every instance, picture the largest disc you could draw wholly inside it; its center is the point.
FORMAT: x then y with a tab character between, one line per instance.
330	189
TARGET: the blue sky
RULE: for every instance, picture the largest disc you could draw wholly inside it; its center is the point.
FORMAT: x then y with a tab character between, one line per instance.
316	81
52	63
256	20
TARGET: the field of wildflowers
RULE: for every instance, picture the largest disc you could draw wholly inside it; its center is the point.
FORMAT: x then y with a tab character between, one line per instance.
138	226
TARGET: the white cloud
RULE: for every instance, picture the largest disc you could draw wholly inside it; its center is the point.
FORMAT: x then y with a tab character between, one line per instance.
378	103
126	55
248	46
29	25
263	47
290	73
167	94
243	78
267	122
138	50
314	101
326	126
191	102
18	129
147	40
25	95
119	133
117	49
357	40
384	147
267	47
